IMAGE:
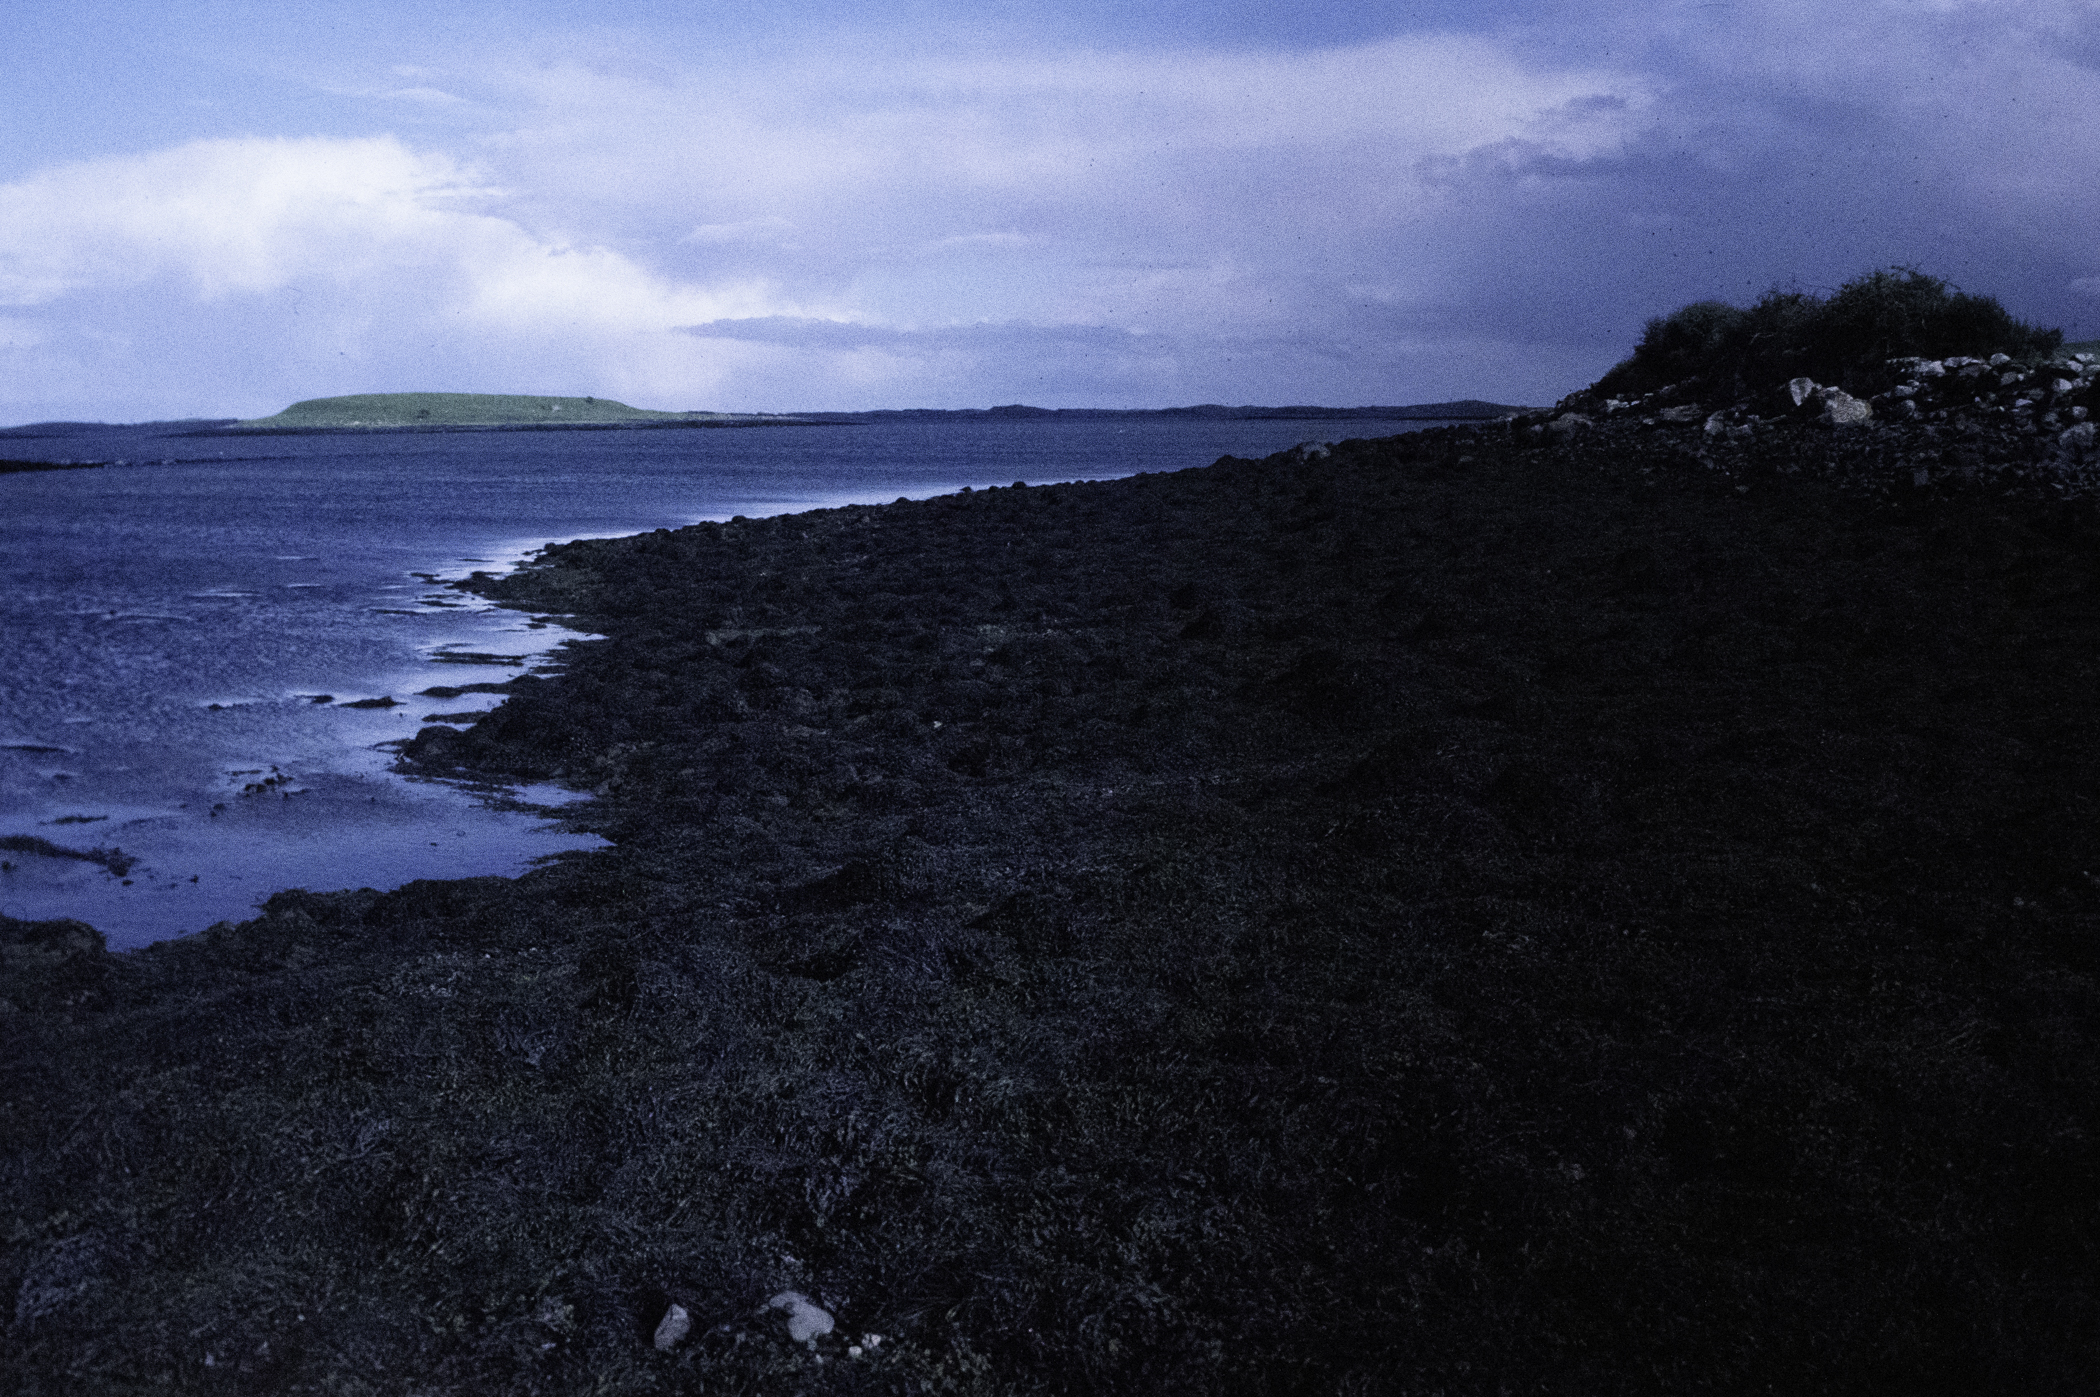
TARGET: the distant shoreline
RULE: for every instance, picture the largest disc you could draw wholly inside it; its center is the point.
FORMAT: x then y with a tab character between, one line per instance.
21	467
493	413
1470	410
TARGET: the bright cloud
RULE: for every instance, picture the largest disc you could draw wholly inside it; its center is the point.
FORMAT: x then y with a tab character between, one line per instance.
361	251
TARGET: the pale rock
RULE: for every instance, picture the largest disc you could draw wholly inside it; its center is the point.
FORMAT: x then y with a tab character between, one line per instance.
1841	409
672	1331
1568	424
1685	412
1716	424
1799	389
2061	385
1998	360
2078	438
1930	368
806	1318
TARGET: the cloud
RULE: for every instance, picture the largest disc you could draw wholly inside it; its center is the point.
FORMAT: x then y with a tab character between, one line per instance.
892	222
765	231
360	260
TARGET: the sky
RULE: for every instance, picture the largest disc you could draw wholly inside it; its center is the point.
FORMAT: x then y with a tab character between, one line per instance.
214	208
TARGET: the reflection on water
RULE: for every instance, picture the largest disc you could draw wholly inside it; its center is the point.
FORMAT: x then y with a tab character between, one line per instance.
209	649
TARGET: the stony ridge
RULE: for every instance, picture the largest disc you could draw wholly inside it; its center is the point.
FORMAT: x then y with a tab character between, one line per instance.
2015	426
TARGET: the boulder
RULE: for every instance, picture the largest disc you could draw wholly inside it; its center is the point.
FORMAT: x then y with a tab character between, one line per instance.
1800	389
1684	412
1568	424
2077	439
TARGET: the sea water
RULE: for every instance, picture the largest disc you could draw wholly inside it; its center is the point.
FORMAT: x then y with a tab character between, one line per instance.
187	630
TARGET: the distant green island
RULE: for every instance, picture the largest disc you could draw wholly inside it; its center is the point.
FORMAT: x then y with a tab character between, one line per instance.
394	411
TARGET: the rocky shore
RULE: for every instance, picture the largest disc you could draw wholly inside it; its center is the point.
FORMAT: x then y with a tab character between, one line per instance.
1599	901
2000	424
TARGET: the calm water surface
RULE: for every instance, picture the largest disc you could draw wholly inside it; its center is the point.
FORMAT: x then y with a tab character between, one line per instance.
172	622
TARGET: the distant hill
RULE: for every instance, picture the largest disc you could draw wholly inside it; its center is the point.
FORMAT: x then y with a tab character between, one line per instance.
394	411
412	411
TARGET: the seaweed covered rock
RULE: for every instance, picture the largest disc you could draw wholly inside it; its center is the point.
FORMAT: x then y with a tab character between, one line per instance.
51	966
1604	908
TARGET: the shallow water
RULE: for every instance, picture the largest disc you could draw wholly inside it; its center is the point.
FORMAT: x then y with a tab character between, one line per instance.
171	622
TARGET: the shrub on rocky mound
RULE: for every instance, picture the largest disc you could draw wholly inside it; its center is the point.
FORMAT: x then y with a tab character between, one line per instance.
1846	340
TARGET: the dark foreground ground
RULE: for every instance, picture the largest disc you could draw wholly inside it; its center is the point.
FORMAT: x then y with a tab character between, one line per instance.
1451	916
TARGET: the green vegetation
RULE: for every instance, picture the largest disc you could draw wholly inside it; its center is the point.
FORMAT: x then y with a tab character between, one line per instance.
1845	340
397	410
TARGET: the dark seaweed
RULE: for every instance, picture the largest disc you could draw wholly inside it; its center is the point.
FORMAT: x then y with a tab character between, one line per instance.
1447	915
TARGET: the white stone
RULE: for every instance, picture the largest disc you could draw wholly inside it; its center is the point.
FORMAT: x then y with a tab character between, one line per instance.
1931	368
1568	424
1997	359
806	1318
1716	424
675	1326
1799	389
1841	409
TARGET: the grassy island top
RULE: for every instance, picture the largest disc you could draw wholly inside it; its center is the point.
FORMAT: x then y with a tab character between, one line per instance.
470	410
